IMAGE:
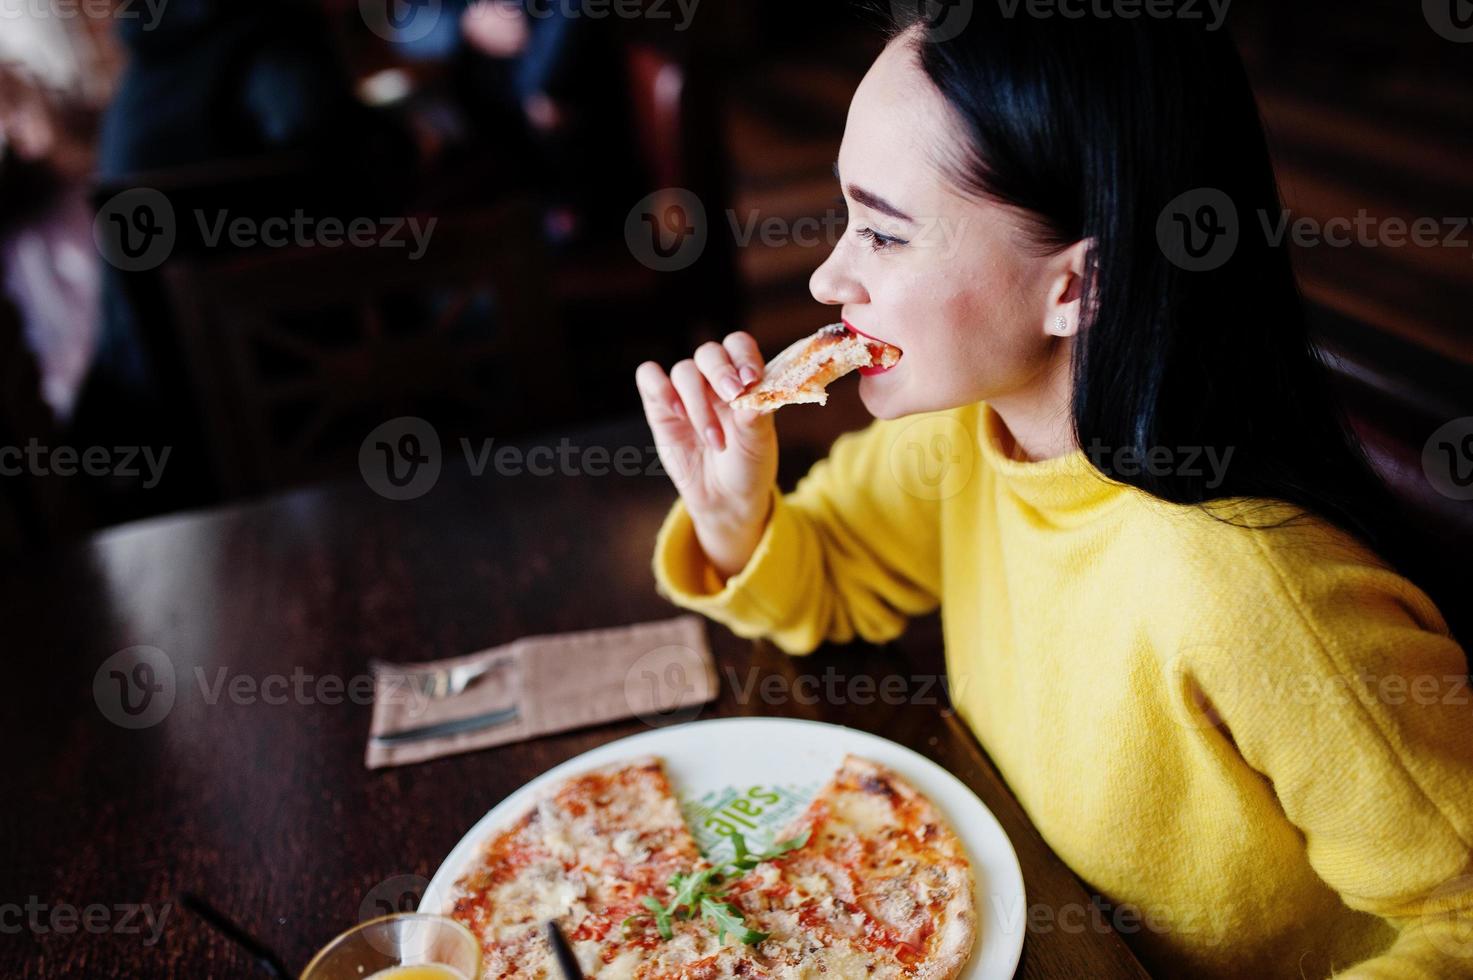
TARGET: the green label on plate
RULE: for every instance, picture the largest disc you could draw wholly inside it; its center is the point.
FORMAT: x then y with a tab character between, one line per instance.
758	813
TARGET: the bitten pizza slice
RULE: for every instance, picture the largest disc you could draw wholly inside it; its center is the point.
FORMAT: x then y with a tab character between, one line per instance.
803	371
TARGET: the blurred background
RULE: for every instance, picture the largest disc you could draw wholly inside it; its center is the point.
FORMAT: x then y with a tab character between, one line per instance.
248	234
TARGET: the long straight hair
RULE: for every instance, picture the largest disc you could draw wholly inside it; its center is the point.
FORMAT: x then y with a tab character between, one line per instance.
1097	127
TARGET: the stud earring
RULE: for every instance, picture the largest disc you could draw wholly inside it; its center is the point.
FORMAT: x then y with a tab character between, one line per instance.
1061	325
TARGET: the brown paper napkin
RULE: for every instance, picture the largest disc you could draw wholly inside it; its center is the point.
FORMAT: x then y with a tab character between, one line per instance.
542	684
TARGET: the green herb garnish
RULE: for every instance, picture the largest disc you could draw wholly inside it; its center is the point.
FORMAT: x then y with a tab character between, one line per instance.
662	917
699	893
727	918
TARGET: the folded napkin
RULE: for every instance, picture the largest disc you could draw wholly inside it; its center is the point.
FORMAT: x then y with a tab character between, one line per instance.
538	685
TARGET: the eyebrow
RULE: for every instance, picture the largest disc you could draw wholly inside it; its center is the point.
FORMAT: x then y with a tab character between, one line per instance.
872	201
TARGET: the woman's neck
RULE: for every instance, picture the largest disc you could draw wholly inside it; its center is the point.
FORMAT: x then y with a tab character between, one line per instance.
1039	420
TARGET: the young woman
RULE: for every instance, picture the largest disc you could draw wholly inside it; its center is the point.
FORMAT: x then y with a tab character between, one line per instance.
1170	609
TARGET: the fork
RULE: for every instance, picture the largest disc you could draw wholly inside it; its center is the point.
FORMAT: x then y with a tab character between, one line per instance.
438	683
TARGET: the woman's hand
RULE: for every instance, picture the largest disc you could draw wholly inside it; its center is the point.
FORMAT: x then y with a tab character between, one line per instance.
722	460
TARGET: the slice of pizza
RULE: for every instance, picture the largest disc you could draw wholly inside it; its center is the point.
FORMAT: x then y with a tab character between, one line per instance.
803	371
586	856
881	888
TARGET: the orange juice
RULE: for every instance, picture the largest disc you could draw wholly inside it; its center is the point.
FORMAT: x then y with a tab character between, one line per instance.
427	972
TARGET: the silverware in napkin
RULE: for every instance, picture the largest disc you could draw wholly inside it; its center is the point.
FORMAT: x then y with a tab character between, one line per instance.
455	726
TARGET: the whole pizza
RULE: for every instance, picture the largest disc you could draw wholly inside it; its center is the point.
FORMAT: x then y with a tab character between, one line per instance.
868	882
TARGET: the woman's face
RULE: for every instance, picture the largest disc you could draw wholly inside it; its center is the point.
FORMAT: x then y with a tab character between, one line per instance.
940	274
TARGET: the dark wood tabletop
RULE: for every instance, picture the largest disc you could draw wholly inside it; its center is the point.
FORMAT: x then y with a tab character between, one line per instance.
251	789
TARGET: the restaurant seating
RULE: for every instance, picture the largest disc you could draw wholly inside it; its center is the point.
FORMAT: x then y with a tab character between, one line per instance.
1396	396
35	510
294	355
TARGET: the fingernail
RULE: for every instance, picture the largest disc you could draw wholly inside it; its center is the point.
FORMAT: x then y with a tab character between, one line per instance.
678	409
750	374
714	438
730	386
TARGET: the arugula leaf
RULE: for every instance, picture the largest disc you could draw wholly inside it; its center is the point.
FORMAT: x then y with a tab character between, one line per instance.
662	918
727	918
689	889
746	860
739	845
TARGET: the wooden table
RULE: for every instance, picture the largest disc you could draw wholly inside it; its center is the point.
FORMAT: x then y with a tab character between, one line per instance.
266	808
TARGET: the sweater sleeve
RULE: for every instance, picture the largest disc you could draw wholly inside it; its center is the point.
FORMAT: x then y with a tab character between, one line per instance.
854	550
1361	717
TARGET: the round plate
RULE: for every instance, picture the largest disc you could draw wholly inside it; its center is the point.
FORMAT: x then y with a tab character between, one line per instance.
709	762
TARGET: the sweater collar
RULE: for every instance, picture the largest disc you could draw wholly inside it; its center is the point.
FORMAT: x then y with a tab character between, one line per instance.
1067	489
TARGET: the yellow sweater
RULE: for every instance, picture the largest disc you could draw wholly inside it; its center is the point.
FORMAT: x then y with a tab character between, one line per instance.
1257	742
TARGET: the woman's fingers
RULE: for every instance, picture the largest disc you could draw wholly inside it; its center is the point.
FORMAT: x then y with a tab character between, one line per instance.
715	363
661	401
675	439
744	354
696	395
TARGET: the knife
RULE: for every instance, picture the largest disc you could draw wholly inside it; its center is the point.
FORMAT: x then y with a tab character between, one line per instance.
453	727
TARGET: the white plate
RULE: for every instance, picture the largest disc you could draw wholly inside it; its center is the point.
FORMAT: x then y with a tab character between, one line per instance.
790	759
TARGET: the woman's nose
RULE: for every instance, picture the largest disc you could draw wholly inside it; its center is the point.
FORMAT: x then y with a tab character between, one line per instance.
834	284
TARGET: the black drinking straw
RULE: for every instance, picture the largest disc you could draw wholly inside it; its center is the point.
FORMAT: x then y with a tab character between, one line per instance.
217	920
562	952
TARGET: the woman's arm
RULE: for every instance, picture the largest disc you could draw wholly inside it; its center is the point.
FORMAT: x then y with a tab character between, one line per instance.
854	550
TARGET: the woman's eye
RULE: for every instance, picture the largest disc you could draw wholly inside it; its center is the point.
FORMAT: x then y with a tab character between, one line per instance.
879	242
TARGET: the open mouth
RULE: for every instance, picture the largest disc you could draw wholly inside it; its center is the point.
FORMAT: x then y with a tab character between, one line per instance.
884	355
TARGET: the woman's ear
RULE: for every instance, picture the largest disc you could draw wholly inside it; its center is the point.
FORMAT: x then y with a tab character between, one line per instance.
1066	290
